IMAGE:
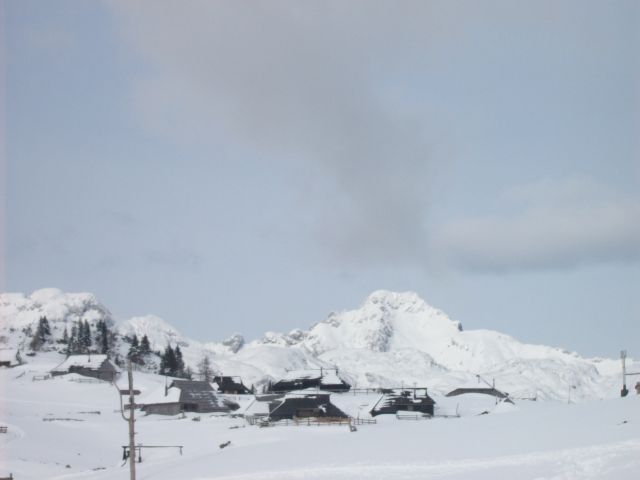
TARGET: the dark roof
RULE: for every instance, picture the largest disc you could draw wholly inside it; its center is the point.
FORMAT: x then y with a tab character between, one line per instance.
399	400
191	385
201	394
229	384
484	390
324	379
315	405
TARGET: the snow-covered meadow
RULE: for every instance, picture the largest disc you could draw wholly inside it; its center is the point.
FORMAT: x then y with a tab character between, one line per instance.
55	431
68	427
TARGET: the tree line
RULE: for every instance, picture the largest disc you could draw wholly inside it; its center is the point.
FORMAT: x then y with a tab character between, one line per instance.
82	339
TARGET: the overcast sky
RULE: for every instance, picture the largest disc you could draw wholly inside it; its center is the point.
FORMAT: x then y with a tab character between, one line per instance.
250	166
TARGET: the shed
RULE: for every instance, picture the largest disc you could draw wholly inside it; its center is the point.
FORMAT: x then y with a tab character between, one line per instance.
8	357
88	365
479	389
413	400
304	405
186	396
230	385
322	379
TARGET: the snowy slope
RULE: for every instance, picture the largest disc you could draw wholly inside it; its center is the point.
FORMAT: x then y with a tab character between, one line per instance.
392	339
63	429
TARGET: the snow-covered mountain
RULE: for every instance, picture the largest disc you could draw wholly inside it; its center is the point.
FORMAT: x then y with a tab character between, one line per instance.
19	314
392	339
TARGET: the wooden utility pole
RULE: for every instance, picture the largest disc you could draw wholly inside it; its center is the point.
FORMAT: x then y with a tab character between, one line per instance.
623	356
132	433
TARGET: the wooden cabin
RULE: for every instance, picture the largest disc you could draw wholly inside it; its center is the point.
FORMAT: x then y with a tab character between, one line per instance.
186	396
89	365
304	405
322	379
411	400
230	385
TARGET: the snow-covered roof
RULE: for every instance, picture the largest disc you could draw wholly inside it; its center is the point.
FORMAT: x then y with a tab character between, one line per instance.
8	355
158	396
330	377
299	374
84	361
307	392
256	407
327	376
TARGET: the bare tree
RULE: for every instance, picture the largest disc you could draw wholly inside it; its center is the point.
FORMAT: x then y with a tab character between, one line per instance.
204	369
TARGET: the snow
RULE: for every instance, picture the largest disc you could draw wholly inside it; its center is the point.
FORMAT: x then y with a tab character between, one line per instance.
392	340
161	395
157	330
53	424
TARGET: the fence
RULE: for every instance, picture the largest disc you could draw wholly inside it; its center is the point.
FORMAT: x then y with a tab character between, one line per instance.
310	421
412	416
87	380
37	378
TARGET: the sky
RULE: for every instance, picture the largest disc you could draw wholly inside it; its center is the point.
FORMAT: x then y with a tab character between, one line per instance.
252	166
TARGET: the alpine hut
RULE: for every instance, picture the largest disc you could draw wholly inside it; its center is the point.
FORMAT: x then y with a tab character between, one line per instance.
322	379
88	365
186	396
413	400
305	405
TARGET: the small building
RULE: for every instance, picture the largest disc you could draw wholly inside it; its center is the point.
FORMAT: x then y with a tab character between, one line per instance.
412	400
186	396
321	379
480	386
8	357
230	385
304	405
89	365
483	390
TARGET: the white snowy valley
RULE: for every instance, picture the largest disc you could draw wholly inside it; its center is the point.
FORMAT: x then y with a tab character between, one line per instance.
564	418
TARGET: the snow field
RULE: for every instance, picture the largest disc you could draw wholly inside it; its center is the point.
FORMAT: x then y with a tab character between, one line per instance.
532	440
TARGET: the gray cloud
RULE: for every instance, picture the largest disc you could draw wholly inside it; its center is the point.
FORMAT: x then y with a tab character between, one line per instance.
304	82
555	225
313	84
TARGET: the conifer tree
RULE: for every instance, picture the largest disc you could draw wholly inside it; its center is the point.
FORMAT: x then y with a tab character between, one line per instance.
105	338
74	344
145	347
135	347
134	351
42	334
86	338
102	337
168	362
179	362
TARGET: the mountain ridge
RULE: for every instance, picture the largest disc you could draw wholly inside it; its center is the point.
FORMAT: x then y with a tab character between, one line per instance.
393	337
